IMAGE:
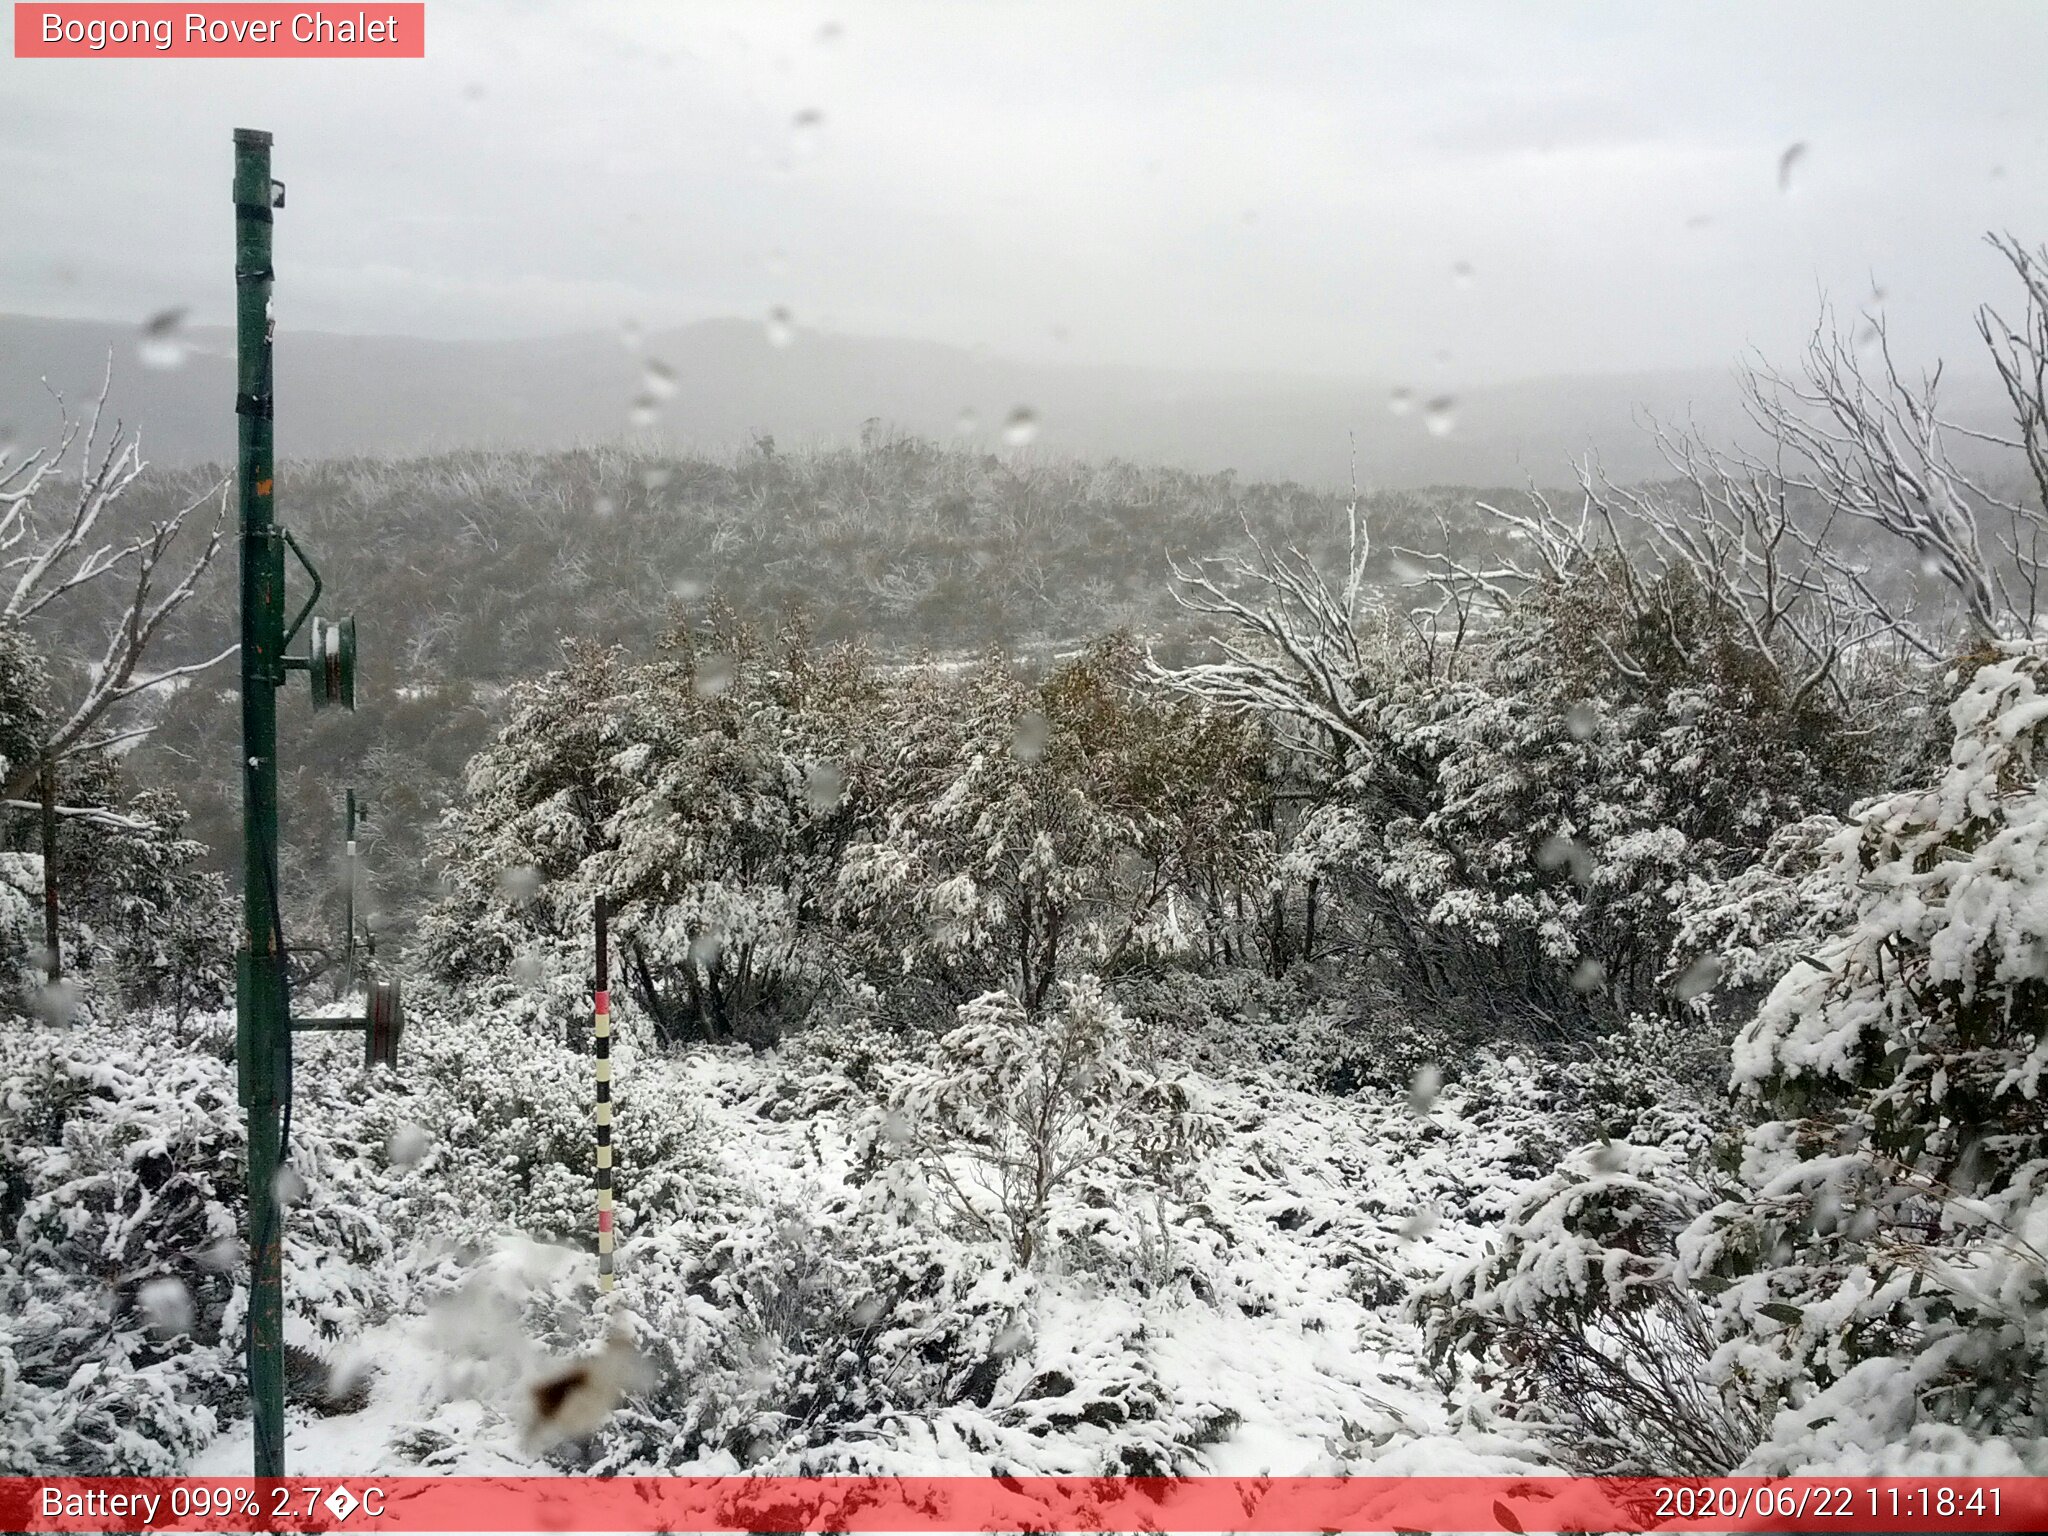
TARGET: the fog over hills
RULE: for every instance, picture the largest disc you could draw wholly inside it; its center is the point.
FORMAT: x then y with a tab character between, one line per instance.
390	396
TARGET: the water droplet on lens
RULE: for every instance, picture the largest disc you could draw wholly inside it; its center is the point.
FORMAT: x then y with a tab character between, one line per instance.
166	1307
655	476
1788	162
1424	1088
288	1187
56	1002
706	948
805	130
1033	736
967	423
407	1145
1461	274
659	380
1020	427
1440	416
1561	852
1591	976
630	335
1582	720
831	32
603	506
1401	401
1699	978
781	329
714	676
220	1255
824	787
161	344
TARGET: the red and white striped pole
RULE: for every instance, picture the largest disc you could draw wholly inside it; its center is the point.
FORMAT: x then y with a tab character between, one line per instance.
603	1045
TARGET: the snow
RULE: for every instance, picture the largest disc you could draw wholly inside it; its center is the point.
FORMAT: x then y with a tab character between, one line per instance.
1280	1347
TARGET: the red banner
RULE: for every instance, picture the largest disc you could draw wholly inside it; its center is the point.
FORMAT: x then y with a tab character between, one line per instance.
961	1504
75	31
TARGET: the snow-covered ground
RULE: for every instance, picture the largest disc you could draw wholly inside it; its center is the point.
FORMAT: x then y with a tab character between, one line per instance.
1279	1348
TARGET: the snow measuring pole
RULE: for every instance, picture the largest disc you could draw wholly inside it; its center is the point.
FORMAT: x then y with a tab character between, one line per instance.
263	1019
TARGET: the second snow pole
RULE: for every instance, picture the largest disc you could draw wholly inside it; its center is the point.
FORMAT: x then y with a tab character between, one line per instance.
602	1046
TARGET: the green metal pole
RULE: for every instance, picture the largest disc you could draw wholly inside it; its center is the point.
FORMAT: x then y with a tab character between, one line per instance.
263	1026
348	949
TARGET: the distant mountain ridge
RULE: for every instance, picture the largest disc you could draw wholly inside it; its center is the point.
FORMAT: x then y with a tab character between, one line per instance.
393	396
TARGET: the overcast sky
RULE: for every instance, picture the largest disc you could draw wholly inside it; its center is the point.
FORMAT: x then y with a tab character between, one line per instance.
1433	194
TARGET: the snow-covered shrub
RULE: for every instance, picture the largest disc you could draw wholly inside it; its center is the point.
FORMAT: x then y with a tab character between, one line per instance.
1011	1114
121	1196
1576	1320
1024	832
1856	1277
1880	1269
782	1330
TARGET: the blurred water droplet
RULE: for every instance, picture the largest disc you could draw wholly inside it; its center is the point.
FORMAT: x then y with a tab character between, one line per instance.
714	676
1867	338
161	344
220	1255
897	1127
686	589
830	33
1401	401
408	1144
1698	978
474	91
1699	221
706	948
777	264
1461	274
966	423
527	968
824	787
1609	1156
658	380
1424	1088
1419	1225
57	1002
1561	852
1440	416
806	129
781	329
166	1307
1032	736
630	335
1788	162
288	1187
656	476
520	883
603	506
1020	427
1590	976
1582	720
9	441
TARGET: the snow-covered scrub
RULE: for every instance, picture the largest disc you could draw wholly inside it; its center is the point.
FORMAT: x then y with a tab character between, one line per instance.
1853	1281
777	828
796	1292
